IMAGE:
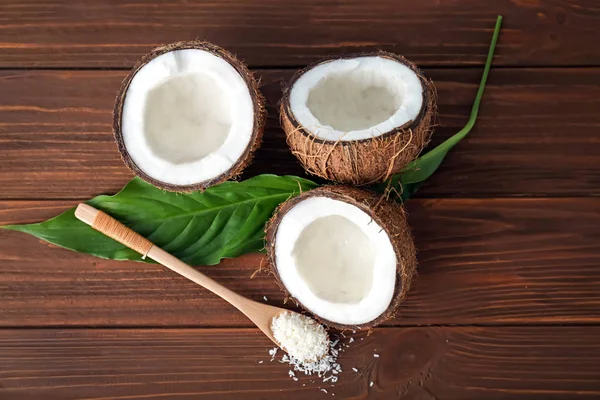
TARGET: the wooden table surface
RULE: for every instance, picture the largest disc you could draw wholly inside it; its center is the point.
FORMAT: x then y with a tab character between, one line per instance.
507	301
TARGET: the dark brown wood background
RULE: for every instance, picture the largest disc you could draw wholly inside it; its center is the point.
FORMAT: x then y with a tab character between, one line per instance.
507	302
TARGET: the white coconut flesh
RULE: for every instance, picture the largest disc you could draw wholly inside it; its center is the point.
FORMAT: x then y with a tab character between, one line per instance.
335	260
356	98
187	117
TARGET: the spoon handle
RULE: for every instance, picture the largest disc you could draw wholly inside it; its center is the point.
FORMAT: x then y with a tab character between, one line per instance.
112	228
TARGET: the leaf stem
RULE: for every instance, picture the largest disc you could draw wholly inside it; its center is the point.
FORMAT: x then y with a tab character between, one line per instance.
422	168
486	72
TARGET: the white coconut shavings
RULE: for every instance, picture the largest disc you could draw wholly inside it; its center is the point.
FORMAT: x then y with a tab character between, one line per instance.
265	298
326	368
323	368
300	336
376	355
273	353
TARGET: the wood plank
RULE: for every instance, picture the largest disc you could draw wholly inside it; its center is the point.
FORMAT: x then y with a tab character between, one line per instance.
482	261
537	134
414	363
272	33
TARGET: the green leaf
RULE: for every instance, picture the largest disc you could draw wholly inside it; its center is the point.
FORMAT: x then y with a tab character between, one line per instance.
224	221
423	167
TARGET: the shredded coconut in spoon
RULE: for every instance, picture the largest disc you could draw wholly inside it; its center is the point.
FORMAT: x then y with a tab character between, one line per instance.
309	348
300	336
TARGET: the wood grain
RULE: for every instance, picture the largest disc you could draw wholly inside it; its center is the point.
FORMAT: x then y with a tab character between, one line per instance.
270	33
508	229
482	261
414	363
536	134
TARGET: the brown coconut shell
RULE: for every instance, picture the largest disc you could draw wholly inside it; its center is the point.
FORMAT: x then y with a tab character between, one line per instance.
389	215
258	101
364	161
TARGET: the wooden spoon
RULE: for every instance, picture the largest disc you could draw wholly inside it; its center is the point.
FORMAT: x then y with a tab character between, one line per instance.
259	313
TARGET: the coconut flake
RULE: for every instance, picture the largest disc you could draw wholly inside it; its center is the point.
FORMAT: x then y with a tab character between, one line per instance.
273	353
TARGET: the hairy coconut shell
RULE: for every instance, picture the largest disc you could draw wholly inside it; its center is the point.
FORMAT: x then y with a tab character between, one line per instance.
363	161
258	101
389	215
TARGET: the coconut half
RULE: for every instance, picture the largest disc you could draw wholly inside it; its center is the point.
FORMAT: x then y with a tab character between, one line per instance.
358	119
342	253
188	116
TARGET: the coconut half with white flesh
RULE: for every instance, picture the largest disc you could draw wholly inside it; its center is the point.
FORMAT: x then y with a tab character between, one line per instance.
188	116
342	253
358	119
